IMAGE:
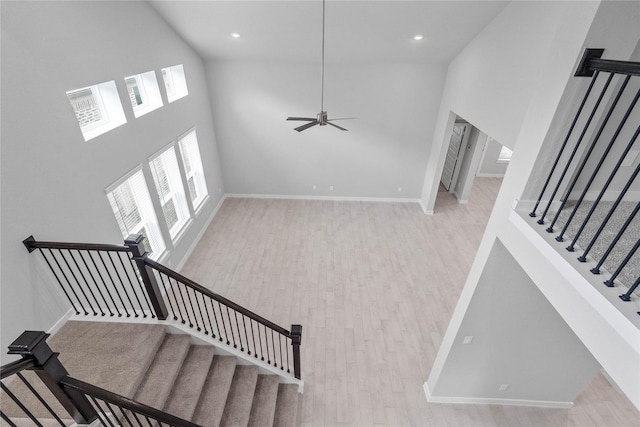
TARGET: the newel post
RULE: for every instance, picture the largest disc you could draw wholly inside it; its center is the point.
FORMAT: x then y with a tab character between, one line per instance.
134	242
33	345
296	340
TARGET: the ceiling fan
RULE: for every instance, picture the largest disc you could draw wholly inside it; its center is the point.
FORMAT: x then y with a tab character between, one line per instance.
321	118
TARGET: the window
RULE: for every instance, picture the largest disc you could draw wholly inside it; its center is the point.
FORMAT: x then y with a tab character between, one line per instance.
134	212
97	109
166	175
505	155
175	82
143	93
193	168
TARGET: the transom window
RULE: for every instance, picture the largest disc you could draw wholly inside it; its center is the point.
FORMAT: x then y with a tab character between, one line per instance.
166	175
143	92
97	109
175	82
134	212
193	168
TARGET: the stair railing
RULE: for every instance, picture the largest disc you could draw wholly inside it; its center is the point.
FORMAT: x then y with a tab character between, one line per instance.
112	280
571	172
81	401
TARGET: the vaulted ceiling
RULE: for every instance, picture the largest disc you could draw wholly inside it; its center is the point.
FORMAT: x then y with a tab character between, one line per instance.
356	31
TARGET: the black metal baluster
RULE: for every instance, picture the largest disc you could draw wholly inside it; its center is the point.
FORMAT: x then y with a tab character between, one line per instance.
610	283
138	279
575	150
280	349
149	421
175	317
583	257
233	336
206	310
260	341
235	312
215	317
596	269
124	288
195	315
68	282
37	395
95	282
266	344
184	304
204	322
246	337
133	288
115	288
85	282
7	419
101	414
95	313
106	288
564	144
253	337
609	179
273	347
627	295
586	157
125	416
224	326
59	281
287	349
110	410
136	418
20	405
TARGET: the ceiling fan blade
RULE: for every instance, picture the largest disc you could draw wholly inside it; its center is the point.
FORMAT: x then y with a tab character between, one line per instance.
343	118
307	126
301	118
336	126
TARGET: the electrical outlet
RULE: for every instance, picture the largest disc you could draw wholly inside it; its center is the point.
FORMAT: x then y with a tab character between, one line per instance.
467	340
331	188
399	189
315	187
503	387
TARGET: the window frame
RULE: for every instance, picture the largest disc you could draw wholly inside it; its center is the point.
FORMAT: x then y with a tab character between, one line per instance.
199	177
156	245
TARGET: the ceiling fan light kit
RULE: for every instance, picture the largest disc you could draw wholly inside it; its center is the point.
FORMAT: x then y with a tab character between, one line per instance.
321	118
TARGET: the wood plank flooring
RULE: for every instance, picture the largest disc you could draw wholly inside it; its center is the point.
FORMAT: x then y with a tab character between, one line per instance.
374	286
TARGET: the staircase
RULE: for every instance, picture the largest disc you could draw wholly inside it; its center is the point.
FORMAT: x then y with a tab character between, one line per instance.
168	372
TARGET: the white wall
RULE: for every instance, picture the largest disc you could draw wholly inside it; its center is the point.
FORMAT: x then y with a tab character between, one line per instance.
53	181
384	149
490	165
580	25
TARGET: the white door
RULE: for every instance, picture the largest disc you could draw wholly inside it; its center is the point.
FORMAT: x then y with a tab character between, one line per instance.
452	160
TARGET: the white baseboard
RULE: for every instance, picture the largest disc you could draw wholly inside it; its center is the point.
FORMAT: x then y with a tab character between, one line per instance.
199	236
424	209
324	198
493	401
60	322
490	175
610	196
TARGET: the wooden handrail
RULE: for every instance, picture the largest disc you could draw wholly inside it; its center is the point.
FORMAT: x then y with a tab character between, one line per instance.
193	285
13	368
124	402
32	244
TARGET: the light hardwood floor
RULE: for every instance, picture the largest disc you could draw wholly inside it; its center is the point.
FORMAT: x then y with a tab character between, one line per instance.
374	286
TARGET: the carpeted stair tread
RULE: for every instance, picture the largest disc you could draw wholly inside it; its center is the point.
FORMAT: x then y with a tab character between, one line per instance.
238	407
162	372
214	393
92	352
188	385
264	401
286	406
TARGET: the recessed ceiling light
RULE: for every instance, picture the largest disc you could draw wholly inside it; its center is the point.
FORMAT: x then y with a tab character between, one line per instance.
235	35
418	37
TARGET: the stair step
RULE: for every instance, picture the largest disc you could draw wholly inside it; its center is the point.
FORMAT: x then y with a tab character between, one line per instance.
264	401
209	411
162	372
286	406
238	407
186	390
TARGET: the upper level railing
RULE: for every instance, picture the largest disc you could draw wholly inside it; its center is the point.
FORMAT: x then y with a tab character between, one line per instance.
122	281
590	193
56	396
